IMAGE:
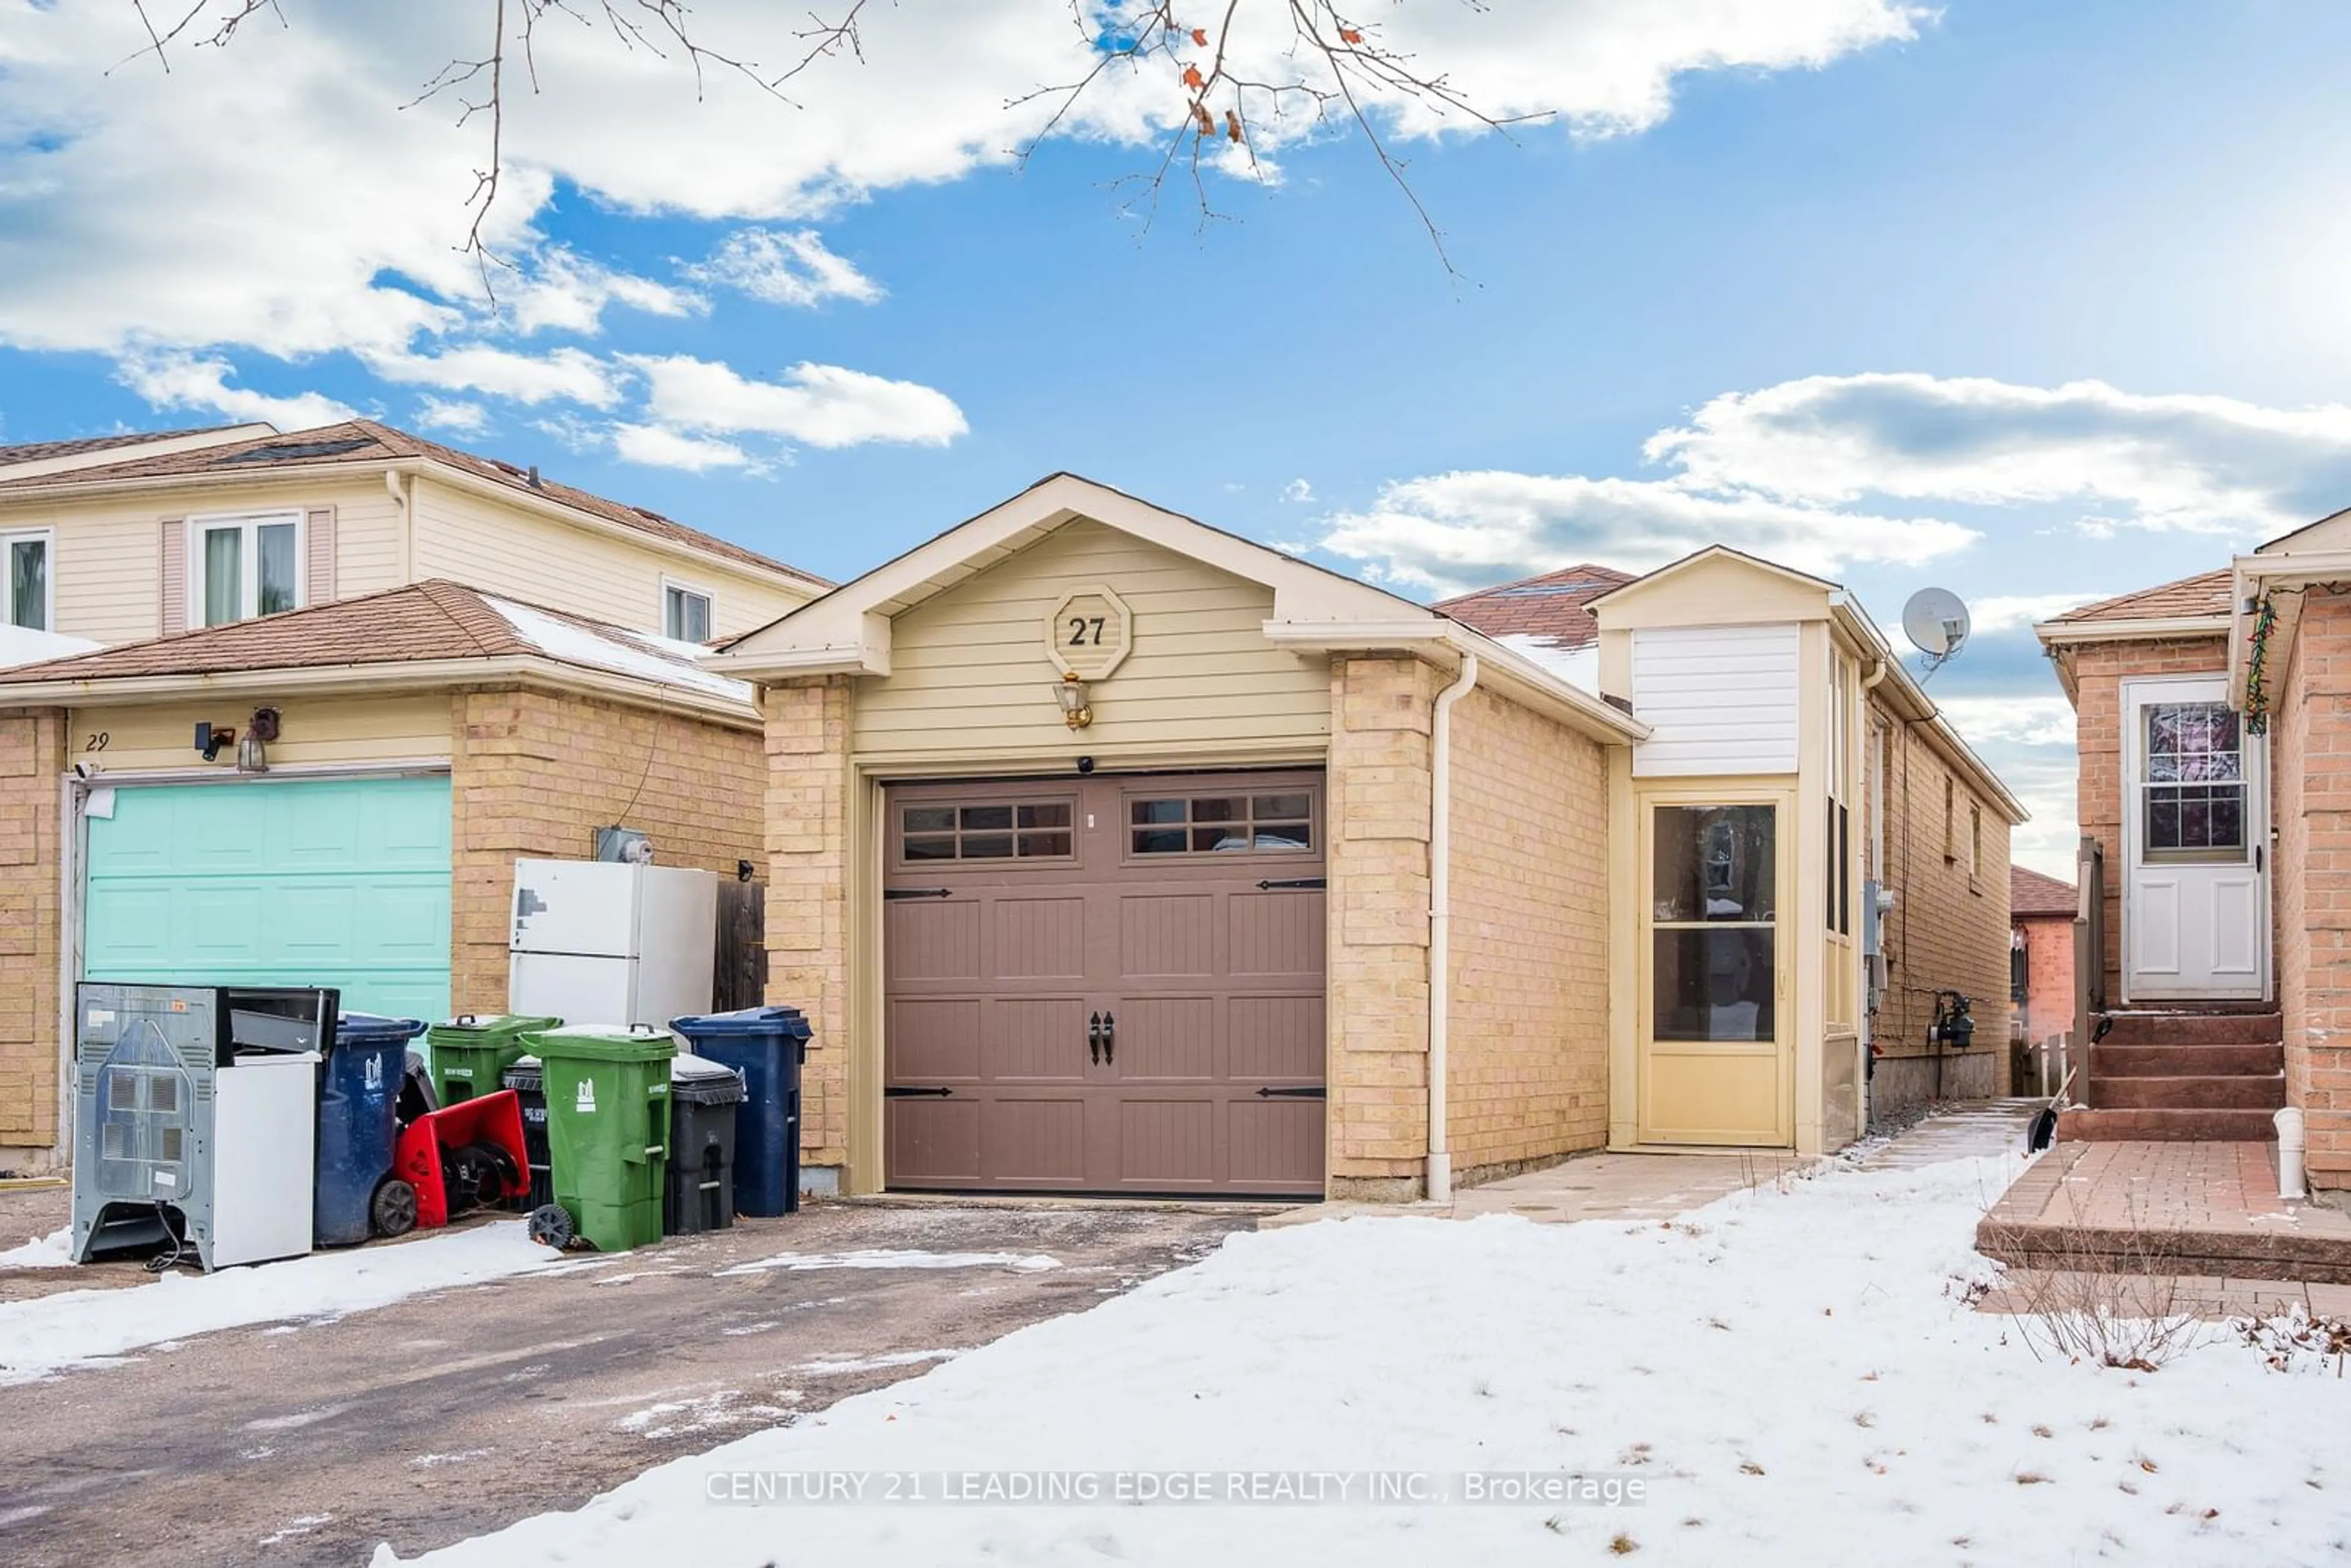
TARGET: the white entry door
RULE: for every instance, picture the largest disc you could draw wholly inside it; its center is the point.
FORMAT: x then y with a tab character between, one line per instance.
2196	828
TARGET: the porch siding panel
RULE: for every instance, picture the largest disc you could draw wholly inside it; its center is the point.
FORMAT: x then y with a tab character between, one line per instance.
1720	700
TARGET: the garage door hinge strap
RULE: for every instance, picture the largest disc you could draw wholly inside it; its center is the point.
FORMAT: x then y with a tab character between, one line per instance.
917	893
1317	1092
896	1091
1297	881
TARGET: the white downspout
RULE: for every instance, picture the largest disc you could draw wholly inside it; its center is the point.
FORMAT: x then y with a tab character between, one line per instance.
1440	919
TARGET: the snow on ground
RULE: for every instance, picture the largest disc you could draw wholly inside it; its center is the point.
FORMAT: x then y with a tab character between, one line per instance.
73	1328
1794	1375
895	1257
54	1251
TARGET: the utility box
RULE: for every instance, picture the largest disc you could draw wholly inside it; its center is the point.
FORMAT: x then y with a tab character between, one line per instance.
195	1119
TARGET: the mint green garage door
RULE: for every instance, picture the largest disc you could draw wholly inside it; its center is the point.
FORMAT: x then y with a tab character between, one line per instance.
339	881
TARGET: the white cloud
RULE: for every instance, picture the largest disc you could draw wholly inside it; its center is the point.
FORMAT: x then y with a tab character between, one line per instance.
786	268
1298	490
173	380
2211	465
658	448
453	414
815	405
571	375
2014	612
273	195
1451	532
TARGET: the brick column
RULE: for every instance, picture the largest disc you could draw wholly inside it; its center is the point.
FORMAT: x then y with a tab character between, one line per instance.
2311	743
1378	869
808	814
32	764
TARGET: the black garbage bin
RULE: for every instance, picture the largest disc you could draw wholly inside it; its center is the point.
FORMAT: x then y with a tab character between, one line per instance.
700	1191
524	1078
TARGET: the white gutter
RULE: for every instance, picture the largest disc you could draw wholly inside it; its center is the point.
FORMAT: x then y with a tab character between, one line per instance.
1440	920
2061	632
1530	684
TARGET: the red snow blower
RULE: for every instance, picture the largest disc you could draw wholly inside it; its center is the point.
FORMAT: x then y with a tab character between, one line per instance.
465	1157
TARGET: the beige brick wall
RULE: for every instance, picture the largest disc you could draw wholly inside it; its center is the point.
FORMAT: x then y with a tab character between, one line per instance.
534	773
2099	670
807	805
32	761
1948	930
2311	749
1378	954
1527	1071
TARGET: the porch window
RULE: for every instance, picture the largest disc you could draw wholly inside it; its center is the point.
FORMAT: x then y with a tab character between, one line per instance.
2195	784
245	567
1714	923
25	592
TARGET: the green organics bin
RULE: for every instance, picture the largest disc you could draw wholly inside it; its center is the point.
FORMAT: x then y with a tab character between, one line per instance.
471	1053
607	1128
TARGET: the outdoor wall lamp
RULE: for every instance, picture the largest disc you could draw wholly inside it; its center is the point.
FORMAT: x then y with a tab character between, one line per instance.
1070	692
253	749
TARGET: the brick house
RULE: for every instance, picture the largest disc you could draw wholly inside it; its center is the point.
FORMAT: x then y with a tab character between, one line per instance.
2041	911
1112	852
2207	717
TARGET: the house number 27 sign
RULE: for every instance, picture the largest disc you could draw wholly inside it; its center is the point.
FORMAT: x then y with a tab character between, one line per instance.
1087	633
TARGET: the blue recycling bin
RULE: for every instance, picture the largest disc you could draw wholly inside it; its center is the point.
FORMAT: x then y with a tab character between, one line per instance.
767	1046
359	1099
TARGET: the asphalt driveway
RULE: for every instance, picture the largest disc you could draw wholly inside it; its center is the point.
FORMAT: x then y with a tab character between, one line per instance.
440	1416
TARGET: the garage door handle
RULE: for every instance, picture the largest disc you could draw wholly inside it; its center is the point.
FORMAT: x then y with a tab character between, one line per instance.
1316	1092
1093	1038
896	1091
1110	1038
1301	882
918	892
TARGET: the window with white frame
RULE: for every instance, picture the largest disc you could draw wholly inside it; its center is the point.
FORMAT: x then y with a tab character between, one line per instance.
242	567
685	613
24	590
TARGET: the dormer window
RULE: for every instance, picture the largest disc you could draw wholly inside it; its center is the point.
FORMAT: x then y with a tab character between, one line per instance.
244	566
685	613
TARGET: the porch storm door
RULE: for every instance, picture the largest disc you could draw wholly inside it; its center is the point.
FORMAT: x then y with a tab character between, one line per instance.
1715	1053
2195	826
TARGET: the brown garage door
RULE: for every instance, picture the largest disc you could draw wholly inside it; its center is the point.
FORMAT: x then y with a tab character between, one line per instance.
1106	984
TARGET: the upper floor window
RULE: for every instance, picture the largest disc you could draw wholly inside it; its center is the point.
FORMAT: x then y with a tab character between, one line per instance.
685	614
25	592
244	566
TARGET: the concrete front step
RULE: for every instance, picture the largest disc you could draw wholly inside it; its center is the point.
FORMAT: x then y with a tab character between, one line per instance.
2107	1061
2137	1125
2194	1028
2265	1092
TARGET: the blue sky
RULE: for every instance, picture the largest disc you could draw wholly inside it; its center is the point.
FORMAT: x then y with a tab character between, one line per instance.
2040	303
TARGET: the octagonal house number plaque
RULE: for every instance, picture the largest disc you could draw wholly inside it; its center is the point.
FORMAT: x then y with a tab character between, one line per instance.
1088	632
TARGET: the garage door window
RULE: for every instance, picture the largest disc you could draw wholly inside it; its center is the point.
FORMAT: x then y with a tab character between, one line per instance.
1222	824
1026	829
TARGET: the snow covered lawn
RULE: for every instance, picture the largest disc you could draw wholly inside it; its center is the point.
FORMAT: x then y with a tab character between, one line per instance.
1795	1375
75	1328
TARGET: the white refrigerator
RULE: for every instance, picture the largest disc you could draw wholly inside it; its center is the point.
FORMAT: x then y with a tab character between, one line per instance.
604	942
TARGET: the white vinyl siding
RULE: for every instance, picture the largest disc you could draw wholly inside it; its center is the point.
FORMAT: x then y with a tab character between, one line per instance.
1718	700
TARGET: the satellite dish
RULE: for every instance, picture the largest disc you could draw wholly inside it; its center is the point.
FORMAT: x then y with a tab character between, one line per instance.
1936	621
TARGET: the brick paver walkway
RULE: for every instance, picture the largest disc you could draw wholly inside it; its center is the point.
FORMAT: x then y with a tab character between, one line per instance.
2199	1208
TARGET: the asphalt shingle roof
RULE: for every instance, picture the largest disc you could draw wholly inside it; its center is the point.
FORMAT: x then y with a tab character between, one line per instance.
2029	892
1551	606
2206	593
365	441
41	450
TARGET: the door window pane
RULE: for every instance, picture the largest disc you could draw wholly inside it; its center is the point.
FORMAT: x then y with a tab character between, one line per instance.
28	584
1713	862
1713	985
2193	791
223	576
276	588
